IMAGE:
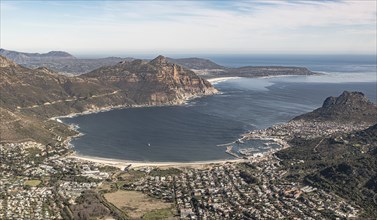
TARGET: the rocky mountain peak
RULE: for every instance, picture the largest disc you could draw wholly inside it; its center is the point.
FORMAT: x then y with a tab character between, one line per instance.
4	62
160	60
346	99
349	106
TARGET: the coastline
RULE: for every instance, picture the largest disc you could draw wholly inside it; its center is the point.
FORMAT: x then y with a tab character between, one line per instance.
119	163
122	164
214	81
138	164
109	108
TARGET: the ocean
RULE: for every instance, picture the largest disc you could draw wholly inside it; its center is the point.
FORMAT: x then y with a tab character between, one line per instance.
192	132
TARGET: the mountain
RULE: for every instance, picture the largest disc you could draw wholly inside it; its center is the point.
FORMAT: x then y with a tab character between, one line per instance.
157	81
20	57
348	107
38	94
344	164
344	161
59	61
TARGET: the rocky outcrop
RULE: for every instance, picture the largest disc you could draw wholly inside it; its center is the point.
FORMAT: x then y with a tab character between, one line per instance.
153	82
348	107
4	62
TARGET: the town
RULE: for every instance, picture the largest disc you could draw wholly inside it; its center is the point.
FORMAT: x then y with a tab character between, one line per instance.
39	182
230	191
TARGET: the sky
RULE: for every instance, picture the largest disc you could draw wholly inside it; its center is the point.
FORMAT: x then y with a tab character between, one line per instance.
189	27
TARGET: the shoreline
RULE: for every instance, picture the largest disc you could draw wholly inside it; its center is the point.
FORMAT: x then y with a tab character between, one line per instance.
119	163
184	101
216	80
213	81
122	164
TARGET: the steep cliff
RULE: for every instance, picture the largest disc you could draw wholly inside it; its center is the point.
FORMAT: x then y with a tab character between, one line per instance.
155	82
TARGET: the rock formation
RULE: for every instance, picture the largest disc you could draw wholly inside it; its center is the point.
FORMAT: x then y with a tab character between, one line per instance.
349	106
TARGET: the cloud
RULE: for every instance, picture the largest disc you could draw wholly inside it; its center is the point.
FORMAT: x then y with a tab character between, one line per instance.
202	26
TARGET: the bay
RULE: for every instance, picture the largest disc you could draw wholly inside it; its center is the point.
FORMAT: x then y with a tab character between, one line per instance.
192	132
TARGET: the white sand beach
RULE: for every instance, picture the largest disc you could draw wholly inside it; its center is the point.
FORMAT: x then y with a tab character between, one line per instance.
222	79
135	164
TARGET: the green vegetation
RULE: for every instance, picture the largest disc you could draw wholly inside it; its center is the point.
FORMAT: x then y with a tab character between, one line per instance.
91	205
347	168
158	214
167	172
108	169
131	176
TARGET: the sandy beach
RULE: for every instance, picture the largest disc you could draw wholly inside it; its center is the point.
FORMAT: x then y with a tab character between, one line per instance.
136	164
222	79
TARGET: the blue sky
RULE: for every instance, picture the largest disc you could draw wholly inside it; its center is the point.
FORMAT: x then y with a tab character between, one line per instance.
190	27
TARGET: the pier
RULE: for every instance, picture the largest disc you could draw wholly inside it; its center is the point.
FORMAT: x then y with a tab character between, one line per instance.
229	151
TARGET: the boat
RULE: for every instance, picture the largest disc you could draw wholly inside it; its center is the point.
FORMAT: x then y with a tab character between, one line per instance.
149	144
239	141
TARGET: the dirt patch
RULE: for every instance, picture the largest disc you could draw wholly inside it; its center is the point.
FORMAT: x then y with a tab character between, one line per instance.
136	204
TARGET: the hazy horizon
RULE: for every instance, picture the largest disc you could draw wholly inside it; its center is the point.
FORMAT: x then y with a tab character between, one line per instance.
114	28
192	55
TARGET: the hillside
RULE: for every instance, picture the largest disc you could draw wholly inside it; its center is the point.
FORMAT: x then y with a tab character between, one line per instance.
348	107
38	94
345	164
343	161
155	82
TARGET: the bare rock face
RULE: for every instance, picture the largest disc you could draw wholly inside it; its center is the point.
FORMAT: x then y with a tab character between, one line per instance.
155	82
348	107
4	62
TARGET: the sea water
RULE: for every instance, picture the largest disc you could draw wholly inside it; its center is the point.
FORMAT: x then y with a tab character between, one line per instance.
192	132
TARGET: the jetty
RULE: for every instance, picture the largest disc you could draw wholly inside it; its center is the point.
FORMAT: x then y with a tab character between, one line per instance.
229	150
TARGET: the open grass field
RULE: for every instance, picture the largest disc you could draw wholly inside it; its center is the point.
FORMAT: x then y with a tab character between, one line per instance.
137	205
32	183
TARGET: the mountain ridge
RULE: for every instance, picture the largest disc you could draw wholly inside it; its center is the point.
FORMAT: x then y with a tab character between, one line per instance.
23	57
201	66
